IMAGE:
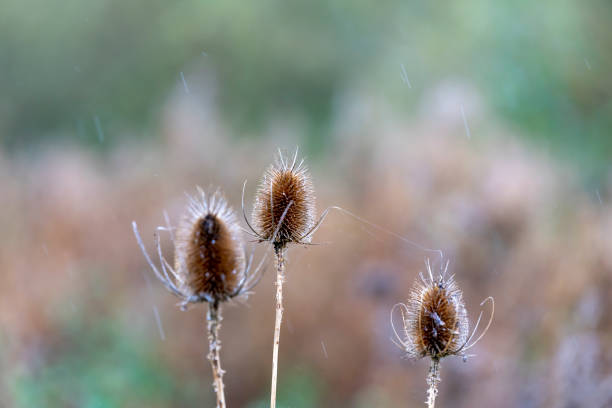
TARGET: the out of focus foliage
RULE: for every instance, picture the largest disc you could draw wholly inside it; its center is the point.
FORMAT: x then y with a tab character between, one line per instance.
99	364
374	94
299	390
543	66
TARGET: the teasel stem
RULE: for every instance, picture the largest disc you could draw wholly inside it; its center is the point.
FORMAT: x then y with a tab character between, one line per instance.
433	379
280	252
214	344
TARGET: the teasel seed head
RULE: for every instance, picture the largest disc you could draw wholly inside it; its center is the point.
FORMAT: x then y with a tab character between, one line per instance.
209	252
284	210
435	321
436	324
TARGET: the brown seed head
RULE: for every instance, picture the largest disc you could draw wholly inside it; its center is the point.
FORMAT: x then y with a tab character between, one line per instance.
284	209
436	322
209	253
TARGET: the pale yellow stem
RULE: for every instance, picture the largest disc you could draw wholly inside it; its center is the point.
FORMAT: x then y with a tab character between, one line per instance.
214	348
280	278
433	378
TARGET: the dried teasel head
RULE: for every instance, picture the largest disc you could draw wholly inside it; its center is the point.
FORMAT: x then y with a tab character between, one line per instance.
435	321
284	210
210	263
209	254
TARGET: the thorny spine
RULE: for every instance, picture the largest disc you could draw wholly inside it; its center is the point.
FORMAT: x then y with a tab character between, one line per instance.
214	348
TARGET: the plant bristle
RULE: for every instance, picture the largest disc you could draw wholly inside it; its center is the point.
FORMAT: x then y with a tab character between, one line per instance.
209	255
437	322
211	260
288	192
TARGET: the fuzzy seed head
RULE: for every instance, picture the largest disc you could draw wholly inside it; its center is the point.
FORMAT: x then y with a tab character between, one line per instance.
284	209
436	321
209	253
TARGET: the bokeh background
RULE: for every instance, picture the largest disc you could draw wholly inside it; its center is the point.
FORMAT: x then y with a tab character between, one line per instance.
480	128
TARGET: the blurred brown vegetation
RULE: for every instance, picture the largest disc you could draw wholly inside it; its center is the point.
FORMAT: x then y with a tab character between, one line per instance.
515	224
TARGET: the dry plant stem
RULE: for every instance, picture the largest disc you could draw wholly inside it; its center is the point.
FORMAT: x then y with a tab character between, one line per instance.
280	278
433	378
214	324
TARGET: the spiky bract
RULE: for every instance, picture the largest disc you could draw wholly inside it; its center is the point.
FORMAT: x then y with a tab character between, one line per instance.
436	321
284	209
209	254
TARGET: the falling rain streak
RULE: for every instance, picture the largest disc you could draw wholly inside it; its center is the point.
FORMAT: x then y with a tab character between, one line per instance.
159	323
99	129
404	76
599	197
324	349
184	82
465	124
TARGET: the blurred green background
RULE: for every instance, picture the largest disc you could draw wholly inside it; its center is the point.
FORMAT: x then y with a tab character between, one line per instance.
480	127
543	67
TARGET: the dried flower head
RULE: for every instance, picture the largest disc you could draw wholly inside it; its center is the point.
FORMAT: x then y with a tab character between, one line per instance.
209	253
210	263
436	324
284	209
435	319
